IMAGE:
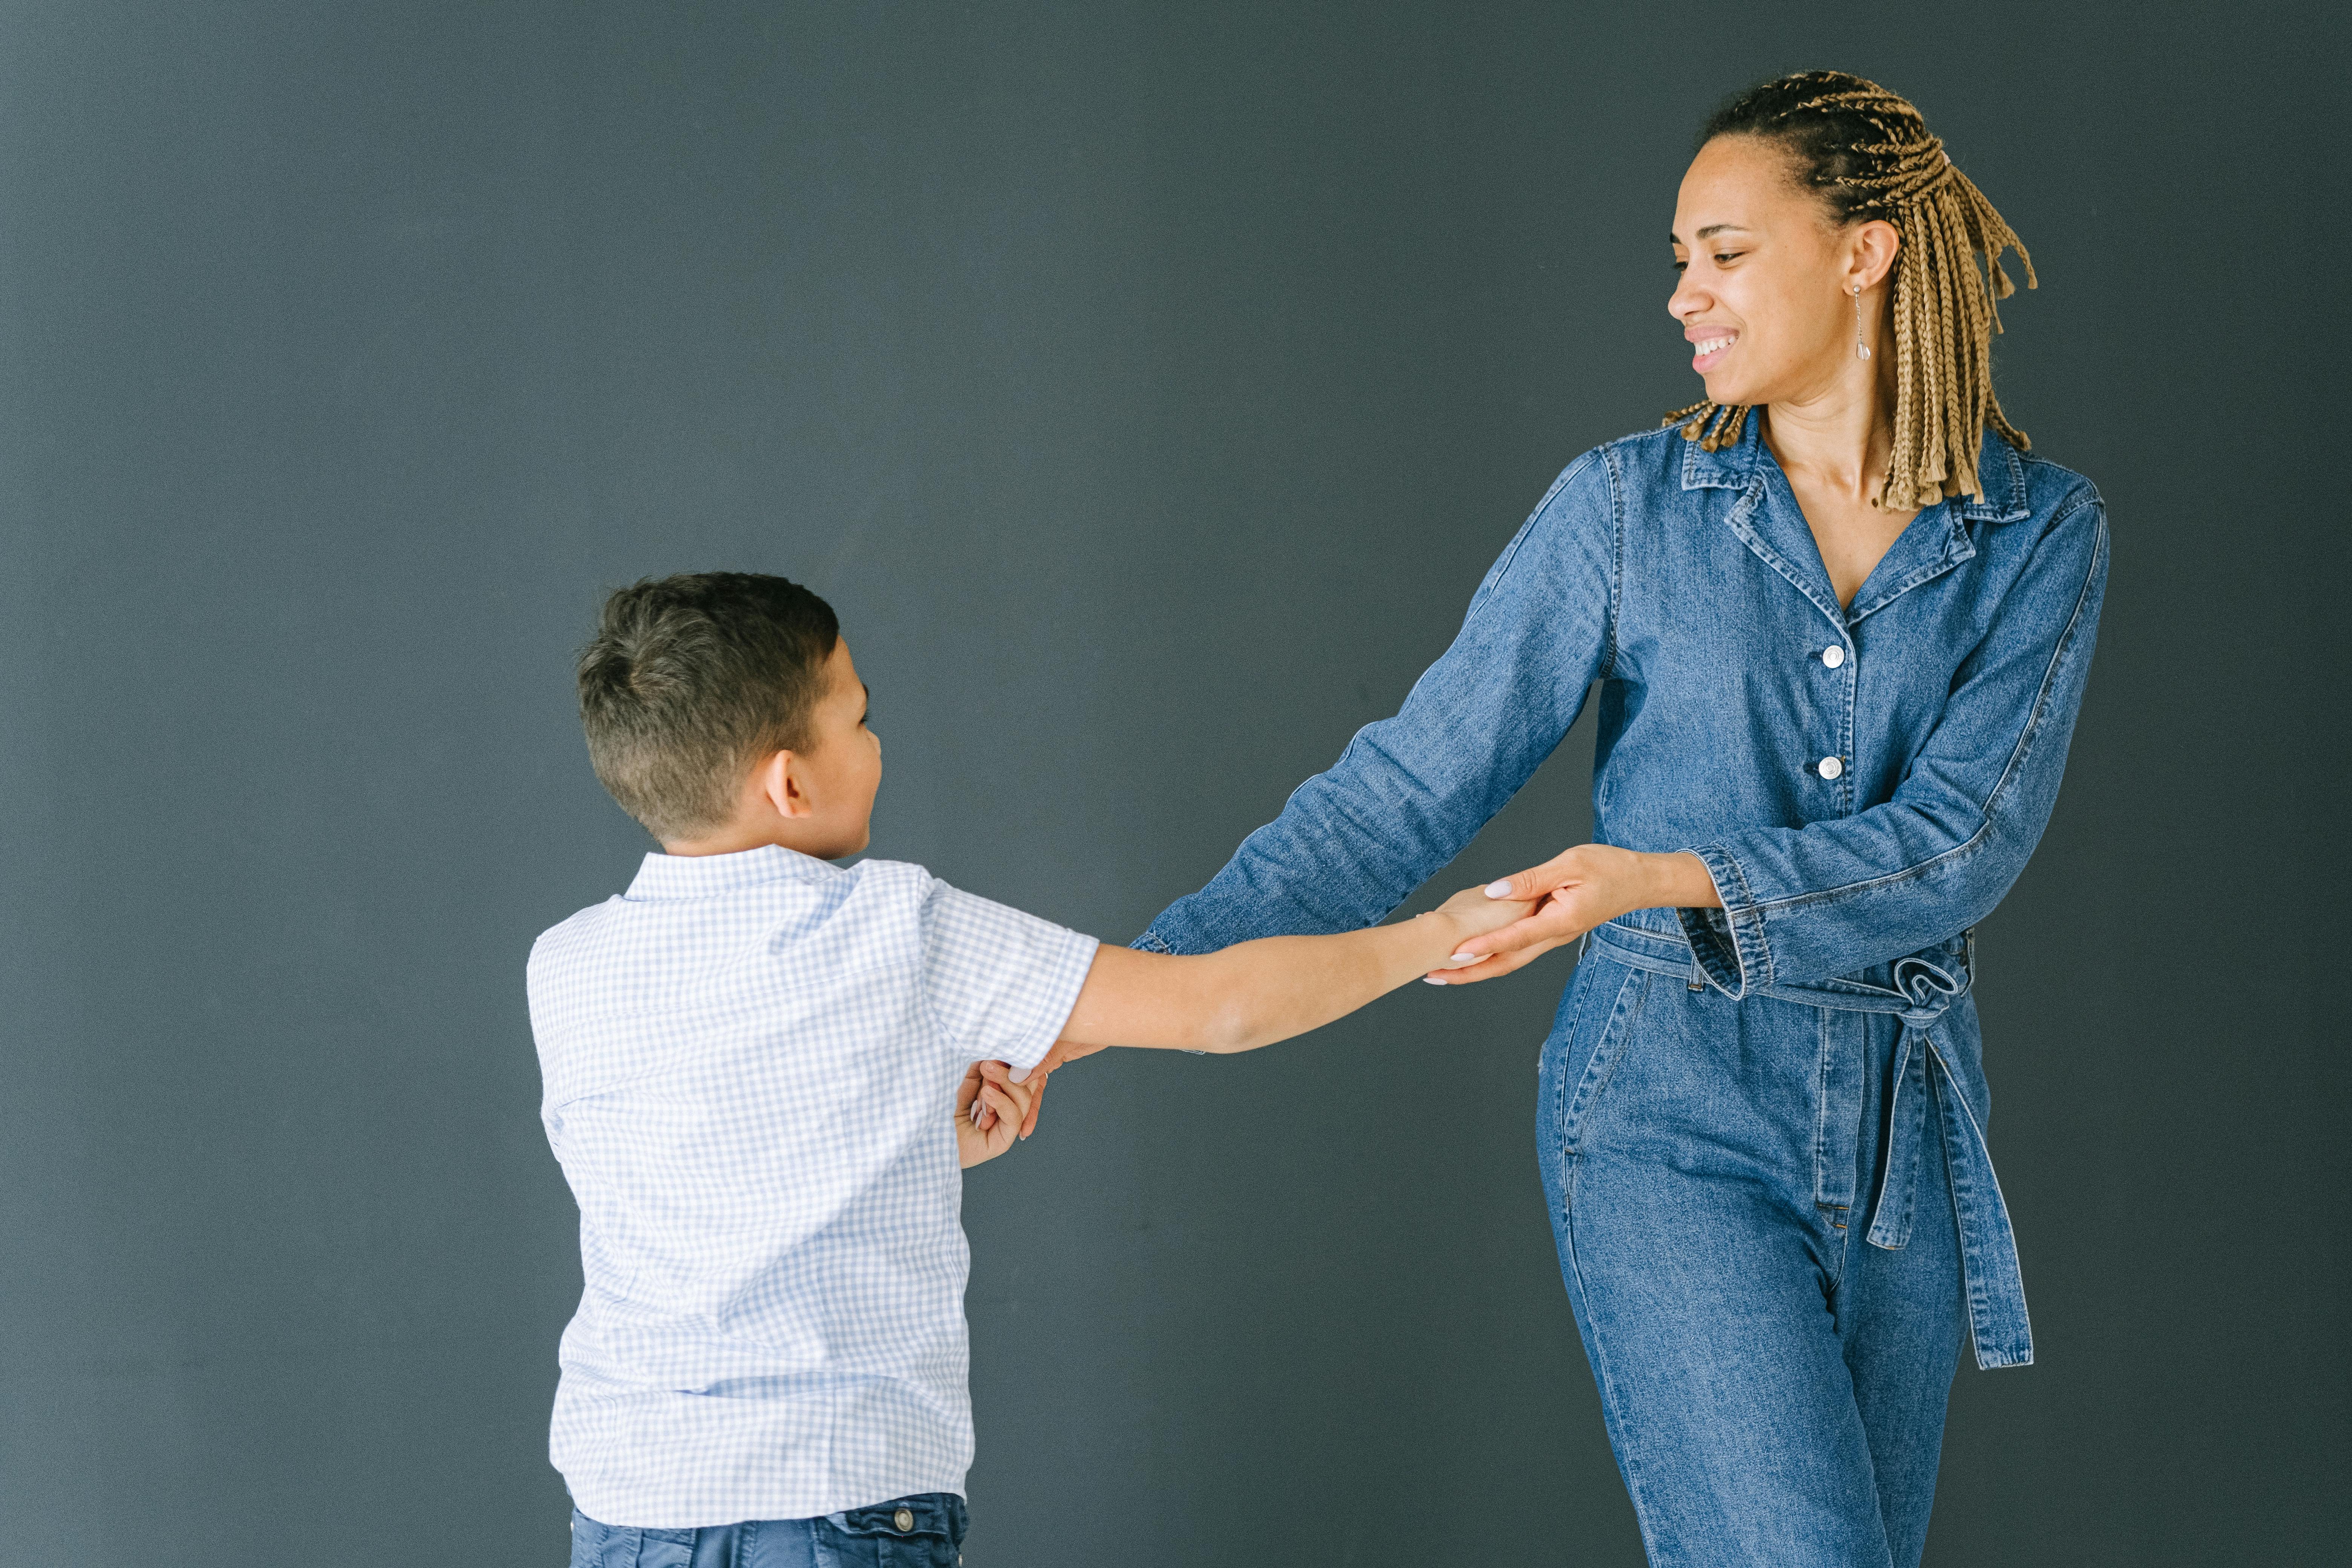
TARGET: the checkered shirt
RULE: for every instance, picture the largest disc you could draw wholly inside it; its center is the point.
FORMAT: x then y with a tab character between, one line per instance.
750	1065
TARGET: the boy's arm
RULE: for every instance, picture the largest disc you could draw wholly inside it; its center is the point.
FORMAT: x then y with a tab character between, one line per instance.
1255	993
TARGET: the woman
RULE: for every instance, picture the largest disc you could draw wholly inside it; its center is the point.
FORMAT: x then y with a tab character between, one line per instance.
1841	631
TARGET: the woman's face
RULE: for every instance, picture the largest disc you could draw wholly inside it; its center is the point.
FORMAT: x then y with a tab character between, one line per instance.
1763	299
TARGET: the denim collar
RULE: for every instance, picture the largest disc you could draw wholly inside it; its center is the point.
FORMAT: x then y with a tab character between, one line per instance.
1998	466
1767	519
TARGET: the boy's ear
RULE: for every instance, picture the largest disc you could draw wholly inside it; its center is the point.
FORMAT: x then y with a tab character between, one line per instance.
780	782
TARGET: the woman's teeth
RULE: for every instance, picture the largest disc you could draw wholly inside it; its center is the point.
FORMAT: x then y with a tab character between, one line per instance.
1715	345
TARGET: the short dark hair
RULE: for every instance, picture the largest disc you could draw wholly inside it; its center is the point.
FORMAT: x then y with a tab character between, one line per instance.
691	680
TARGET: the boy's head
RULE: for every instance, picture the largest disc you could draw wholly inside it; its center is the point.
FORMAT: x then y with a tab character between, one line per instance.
722	711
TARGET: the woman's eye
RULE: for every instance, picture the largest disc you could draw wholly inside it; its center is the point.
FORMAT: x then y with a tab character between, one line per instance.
1682	266
1722	257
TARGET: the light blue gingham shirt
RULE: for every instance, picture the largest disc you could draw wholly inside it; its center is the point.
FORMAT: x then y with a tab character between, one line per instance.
751	1063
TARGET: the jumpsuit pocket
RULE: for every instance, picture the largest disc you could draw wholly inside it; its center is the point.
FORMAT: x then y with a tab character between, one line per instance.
1608	1050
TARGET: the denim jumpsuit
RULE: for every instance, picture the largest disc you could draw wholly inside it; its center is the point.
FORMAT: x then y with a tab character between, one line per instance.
1760	1129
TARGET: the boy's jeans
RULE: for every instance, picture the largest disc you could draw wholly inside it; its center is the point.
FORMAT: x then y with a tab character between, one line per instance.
923	1532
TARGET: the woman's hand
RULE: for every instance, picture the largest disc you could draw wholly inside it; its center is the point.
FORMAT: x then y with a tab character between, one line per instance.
1574	892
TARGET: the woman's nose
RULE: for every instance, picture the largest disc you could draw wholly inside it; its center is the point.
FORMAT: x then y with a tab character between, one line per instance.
1687	300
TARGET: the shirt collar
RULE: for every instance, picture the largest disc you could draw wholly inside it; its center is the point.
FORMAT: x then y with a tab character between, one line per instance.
707	876
1998	466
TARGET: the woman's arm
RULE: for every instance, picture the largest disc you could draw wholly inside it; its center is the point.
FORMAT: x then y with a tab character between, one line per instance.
1411	791
1353	842
1800	904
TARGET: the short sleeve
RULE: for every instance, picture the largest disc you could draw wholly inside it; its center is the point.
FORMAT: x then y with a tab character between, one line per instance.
1000	983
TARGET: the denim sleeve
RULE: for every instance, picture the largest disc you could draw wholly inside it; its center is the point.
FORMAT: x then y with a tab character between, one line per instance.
1804	904
1411	791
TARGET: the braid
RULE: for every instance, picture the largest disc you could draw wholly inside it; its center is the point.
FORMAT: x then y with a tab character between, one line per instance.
1869	153
1944	407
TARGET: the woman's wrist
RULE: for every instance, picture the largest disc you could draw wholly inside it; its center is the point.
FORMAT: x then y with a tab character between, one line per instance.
1677	881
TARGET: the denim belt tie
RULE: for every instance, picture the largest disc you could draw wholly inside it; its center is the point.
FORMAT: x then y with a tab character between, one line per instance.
1926	983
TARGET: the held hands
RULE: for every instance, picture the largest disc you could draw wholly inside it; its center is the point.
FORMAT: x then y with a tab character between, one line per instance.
1476	912
1471	913
1574	892
989	1106
1497	928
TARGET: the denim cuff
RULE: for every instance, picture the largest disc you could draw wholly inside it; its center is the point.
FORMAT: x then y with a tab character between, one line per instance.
1728	942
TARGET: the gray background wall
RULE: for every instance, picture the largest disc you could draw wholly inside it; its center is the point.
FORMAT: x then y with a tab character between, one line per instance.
1149	387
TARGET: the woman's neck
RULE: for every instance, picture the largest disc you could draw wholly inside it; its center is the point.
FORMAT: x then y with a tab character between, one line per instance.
1838	439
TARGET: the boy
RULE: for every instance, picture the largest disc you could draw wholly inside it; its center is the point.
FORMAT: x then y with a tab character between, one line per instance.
751	1063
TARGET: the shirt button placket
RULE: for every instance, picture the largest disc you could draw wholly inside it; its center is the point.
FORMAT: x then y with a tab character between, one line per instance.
1834	656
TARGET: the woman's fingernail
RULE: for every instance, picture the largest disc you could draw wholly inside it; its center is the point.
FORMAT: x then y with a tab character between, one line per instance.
1020	1075
1498	889
1432	980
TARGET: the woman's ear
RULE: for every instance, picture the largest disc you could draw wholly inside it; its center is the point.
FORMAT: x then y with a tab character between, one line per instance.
1870	250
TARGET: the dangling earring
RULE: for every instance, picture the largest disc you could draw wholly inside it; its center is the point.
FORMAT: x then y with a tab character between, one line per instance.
1860	348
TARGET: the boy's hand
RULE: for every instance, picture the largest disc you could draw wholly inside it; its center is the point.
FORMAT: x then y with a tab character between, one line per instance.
1477	911
989	1107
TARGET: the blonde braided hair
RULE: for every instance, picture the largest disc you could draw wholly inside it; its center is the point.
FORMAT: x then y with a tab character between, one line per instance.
1868	152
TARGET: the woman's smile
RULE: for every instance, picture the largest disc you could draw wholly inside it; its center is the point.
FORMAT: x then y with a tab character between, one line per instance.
1708	345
